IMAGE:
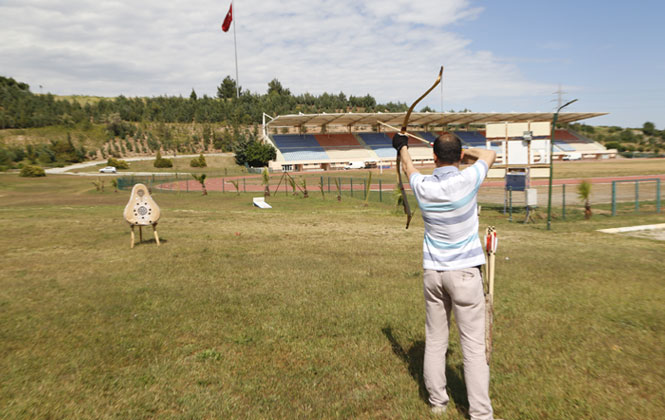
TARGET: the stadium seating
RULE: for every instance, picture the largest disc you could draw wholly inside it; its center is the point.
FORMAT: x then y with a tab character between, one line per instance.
380	143
565	136
472	138
342	141
338	148
342	147
588	147
426	135
570	141
563	146
296	147
376	139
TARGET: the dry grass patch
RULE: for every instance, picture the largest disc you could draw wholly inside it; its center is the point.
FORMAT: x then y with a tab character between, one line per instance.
310	310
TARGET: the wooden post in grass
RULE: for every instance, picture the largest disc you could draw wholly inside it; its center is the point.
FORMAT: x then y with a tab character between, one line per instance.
368	186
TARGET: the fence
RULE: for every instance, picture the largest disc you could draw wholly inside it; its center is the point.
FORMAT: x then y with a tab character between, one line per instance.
349	187
127	182
625	196
375	190
612	198
186	183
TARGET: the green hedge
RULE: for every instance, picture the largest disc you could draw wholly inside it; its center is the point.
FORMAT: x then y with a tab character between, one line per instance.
32	171
117	163
199	162
161	162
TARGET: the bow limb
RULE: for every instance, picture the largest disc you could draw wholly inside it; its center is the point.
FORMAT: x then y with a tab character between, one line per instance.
413	105
405	201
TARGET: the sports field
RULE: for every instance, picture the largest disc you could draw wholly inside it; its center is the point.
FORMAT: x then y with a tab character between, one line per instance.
311	310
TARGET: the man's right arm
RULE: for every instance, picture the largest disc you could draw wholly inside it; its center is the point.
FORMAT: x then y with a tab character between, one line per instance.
472	155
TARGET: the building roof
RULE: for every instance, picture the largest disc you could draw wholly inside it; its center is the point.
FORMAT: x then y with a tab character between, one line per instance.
425	118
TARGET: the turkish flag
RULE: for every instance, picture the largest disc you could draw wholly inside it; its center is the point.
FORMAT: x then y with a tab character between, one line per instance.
227	20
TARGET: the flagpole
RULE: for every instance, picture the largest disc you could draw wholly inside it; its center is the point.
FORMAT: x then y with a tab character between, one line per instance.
235	45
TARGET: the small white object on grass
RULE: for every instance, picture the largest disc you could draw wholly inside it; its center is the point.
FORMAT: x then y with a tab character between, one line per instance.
260	202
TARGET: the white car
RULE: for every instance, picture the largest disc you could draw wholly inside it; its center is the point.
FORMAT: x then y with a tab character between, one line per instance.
355	165
573	156
108	170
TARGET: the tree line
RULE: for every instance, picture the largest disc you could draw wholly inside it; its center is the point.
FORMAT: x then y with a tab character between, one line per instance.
628	141
147	125
20	108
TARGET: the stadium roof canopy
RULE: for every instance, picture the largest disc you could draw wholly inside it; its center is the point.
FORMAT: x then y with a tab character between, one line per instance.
425	118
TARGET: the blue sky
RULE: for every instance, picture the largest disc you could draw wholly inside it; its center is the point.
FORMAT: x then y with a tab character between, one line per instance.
609	54
499	56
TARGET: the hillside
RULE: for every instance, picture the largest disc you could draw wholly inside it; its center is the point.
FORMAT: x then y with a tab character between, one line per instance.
53	130
645	141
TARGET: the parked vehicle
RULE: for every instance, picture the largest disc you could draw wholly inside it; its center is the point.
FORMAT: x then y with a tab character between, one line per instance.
573	156
355	165
108	170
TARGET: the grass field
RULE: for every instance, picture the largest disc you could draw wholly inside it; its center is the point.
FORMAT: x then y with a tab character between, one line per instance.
311	310
618	167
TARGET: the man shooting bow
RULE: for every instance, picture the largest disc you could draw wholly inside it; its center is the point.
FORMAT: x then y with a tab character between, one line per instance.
452	256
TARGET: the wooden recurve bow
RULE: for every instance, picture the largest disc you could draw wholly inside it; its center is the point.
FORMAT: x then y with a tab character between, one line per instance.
405	202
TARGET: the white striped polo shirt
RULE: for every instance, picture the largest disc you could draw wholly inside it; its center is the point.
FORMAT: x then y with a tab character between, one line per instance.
447	200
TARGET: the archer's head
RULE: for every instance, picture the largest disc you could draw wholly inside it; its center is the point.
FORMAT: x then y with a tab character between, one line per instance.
447	150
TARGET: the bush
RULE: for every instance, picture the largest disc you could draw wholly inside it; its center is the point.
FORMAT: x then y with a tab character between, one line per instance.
252	152
613	145
259	154
161	162
118	163
199	162
32	171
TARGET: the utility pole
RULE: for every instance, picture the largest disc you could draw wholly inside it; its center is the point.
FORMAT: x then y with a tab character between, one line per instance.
559	96
549	195
235	45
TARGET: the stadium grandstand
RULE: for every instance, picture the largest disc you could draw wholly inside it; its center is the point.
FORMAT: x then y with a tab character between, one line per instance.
319	142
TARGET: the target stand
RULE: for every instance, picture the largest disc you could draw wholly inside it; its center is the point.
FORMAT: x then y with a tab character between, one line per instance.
141	210
531	199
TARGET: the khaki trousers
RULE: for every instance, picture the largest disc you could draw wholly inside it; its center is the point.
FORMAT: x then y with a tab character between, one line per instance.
459	292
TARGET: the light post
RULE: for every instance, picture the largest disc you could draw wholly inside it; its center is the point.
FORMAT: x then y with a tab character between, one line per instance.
549	199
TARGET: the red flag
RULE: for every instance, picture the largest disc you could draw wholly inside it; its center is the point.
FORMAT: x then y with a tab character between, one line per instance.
227	20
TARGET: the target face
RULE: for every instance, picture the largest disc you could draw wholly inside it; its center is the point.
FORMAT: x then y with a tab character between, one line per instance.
141	208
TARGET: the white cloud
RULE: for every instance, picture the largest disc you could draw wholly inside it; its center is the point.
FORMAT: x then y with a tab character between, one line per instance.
390	49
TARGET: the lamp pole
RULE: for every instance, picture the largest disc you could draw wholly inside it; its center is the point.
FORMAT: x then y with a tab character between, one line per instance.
549	195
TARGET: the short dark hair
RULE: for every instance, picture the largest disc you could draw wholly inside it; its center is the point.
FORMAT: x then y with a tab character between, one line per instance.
448	148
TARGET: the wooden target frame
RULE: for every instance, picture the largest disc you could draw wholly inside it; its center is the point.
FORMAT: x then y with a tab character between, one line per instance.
141	210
